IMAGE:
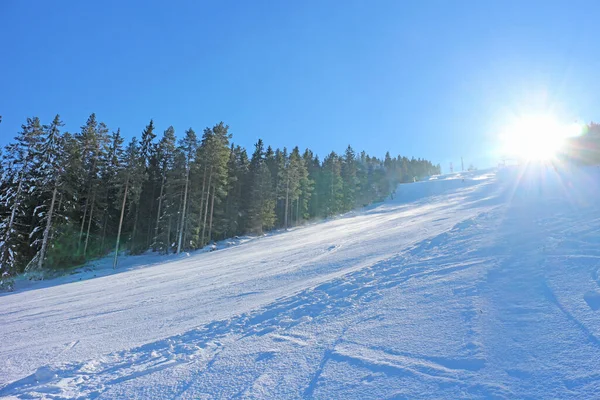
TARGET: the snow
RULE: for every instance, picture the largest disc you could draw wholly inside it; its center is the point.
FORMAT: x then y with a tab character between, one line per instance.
476	285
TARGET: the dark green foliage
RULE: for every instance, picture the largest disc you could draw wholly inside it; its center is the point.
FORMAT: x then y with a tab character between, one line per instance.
70	191
585	148
261	204
64	251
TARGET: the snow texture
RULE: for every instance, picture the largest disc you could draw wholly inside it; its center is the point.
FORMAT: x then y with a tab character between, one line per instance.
476	285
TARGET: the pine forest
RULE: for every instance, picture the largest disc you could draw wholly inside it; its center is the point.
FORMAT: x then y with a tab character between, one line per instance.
70	197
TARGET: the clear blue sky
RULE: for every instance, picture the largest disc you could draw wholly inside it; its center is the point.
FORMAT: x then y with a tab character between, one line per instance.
433	79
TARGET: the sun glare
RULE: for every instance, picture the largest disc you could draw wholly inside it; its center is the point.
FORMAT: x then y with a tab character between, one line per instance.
536	137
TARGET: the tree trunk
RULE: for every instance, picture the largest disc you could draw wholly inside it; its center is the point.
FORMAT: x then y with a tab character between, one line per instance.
83	222
168	246
59	202
179	211
331	201
87	236
206	208
149	231
162	186
287	197
121	223
185	223
105	220
103	232
227	213
58	211
198	229
48	227
91	177
212	207
187	178
135	221
15	204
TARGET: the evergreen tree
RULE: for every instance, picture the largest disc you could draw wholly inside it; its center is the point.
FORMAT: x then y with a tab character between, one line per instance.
49	165
109	175
349	178
237	172
307	185
314	175
144	214
165	154
19	160
213	158
92	139
188	147
261	214
130	178
283	184
298	181
64	198
331	185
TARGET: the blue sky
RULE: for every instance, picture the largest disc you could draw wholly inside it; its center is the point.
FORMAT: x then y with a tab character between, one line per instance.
432	79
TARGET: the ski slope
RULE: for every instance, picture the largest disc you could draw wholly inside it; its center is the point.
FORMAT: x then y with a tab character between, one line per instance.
482	285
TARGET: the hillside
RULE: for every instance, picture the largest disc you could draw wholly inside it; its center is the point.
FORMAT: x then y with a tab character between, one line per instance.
482	285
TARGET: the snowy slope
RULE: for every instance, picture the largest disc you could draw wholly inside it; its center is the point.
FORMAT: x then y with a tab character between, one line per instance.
482	288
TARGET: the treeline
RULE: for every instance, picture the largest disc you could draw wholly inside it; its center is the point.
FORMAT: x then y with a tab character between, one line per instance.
65	197
584	149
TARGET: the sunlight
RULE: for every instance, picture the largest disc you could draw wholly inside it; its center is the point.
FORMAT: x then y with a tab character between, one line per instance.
536	137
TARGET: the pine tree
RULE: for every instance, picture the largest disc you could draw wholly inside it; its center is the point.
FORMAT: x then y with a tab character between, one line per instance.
237	171
166	158
188	147
261	214
331	185
93	140
298	173
173	201
50	168
109	186
99	152
63	196
19	161
144	214
313	166
283	183
350	182
213	158
131	178
306	188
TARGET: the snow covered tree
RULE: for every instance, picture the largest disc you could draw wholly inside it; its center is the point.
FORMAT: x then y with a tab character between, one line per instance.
93	140
19	176
49	165
64	198
109	186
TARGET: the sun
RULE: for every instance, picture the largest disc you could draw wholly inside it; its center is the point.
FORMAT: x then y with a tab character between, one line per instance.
536	137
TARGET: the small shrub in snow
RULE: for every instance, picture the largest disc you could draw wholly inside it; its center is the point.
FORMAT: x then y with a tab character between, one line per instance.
7	284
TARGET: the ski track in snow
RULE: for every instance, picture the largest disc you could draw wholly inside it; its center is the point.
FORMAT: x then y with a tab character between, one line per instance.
487	288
